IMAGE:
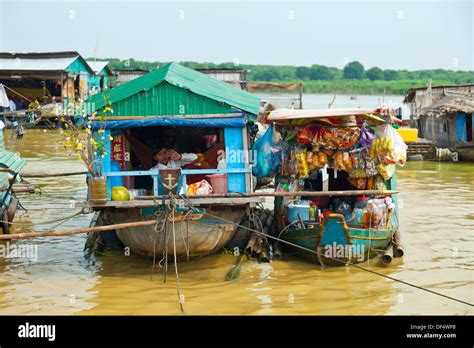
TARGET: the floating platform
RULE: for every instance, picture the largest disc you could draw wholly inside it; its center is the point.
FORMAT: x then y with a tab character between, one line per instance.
425	148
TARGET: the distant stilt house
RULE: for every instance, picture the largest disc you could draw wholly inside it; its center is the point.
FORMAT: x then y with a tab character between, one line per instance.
48	77
445	115
101	80
124	75
234	77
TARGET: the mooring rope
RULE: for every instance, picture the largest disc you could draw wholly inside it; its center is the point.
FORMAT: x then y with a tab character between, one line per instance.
185	240
345	263
160	220
60	220
175	253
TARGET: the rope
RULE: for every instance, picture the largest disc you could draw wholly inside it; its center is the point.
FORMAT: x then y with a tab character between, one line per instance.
44	222
348	263
185	240
175	256
65	220
160	217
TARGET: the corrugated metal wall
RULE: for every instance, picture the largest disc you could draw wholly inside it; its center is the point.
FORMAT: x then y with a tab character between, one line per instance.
166	99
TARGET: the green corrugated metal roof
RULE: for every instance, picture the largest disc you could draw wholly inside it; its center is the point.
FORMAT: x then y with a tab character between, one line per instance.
185	78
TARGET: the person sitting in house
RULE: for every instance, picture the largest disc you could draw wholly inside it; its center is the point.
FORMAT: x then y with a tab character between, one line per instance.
170	159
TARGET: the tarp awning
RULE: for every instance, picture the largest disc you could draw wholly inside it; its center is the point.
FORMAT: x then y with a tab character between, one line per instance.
228	122
259	87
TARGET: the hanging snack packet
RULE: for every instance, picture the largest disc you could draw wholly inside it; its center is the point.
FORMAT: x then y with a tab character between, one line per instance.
304	135
386	170
303	169
358	183
366	136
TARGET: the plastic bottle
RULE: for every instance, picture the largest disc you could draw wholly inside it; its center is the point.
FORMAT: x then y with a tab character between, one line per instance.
374	214
358	212
313	211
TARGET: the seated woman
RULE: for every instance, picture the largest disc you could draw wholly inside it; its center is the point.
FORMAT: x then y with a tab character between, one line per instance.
170	159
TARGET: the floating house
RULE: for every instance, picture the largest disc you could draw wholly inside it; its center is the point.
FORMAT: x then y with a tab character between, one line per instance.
234	77
124	75
445	115
45	76
101	80
180	108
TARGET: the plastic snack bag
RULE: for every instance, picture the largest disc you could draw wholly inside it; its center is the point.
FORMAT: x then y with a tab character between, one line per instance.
357	173
346	160
323	159
303	169
386	170
399	152
370	167
199	188
318	137
379	183
366	136
388	146
337	161
304	136
358	183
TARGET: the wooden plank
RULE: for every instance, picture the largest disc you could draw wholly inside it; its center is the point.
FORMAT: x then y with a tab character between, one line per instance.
197	202
282	194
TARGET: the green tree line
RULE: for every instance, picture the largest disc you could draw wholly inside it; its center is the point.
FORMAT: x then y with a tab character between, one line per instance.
353	78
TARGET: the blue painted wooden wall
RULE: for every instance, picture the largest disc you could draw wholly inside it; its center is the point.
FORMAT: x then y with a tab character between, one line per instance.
234	157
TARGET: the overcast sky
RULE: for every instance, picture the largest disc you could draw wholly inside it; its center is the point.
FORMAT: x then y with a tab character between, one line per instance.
395	34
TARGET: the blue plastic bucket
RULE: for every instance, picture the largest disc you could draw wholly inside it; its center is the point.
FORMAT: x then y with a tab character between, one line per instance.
300	208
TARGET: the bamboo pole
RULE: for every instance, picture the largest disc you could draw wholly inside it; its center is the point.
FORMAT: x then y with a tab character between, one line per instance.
97	228
21	188
78	231
283	194
48	175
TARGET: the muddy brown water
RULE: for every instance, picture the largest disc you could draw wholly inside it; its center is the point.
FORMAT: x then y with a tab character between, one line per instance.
437	224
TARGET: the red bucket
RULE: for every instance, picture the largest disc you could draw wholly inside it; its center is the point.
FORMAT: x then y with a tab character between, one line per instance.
218	182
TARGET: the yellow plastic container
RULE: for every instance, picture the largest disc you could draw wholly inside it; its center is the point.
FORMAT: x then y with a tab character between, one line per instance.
409	135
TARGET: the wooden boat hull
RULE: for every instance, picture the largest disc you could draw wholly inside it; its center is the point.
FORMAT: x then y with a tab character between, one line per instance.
8	211
335	244
193	238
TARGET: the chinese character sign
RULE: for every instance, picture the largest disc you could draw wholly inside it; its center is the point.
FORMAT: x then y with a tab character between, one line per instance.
118	151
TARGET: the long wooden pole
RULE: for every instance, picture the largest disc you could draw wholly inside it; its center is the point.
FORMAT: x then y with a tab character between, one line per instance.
98	228
283	194
78	231
48	175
